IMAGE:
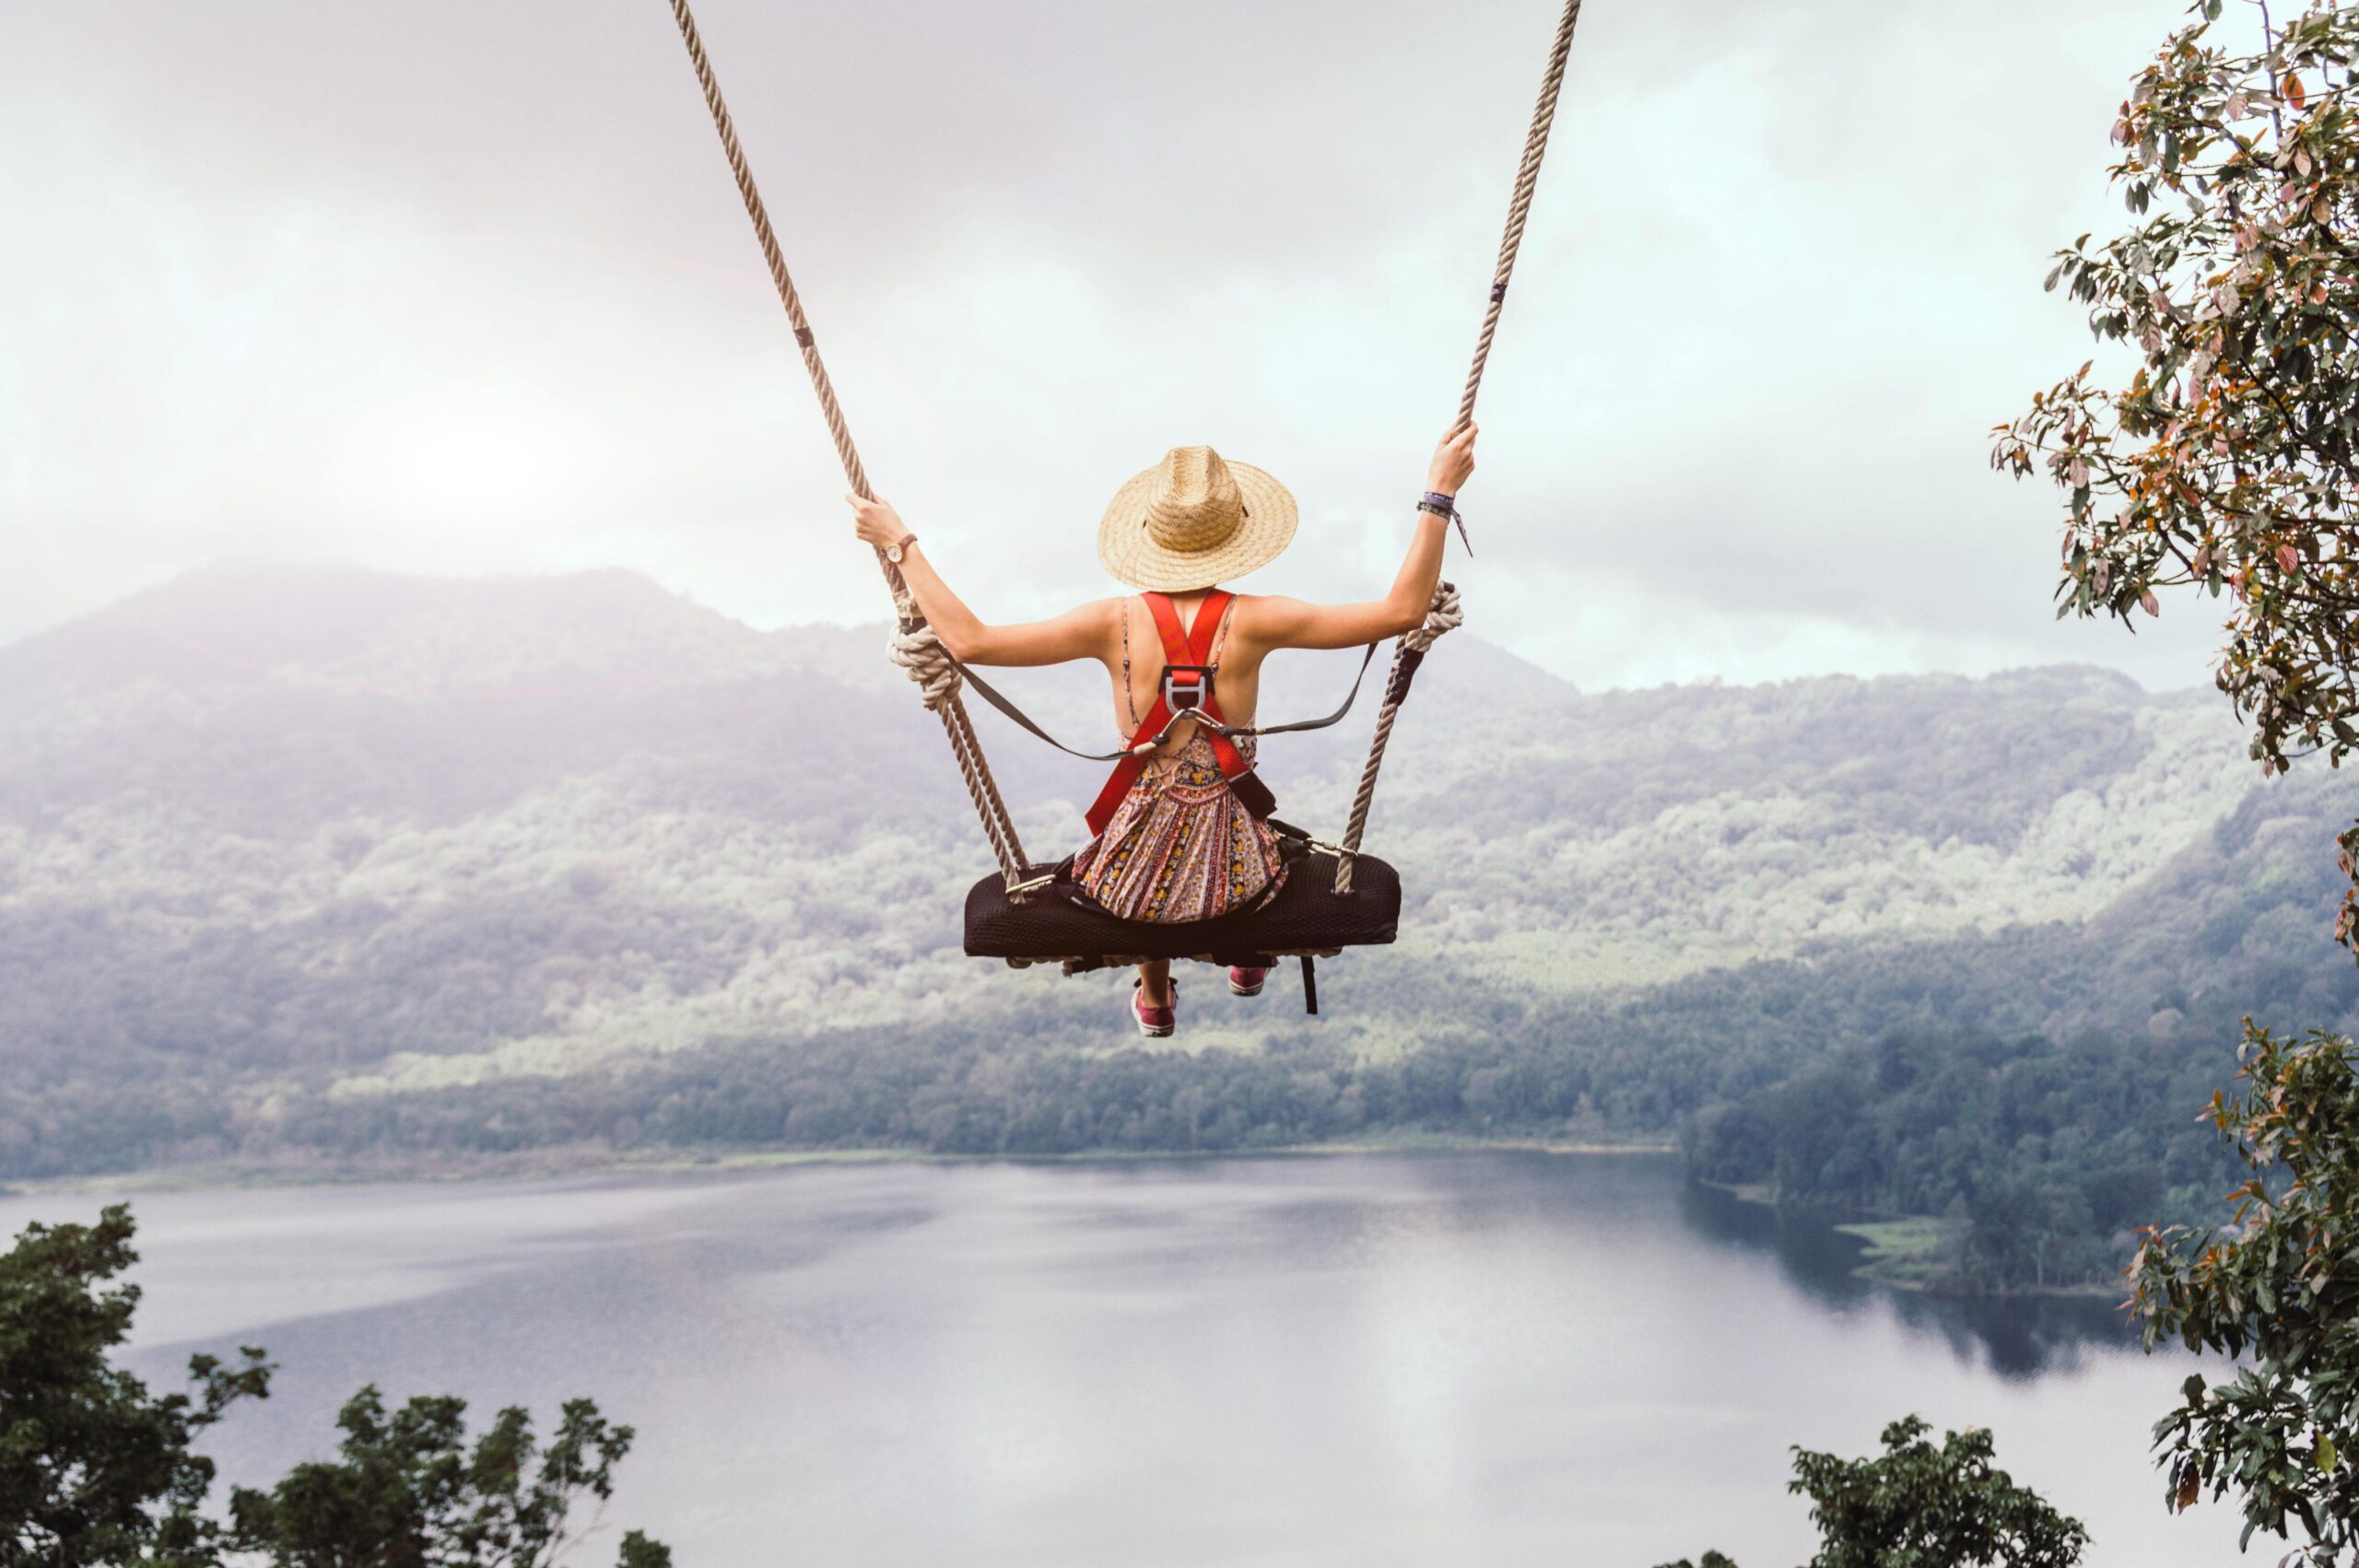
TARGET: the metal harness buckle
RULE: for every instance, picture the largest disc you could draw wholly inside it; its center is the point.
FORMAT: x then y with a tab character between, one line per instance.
1187	687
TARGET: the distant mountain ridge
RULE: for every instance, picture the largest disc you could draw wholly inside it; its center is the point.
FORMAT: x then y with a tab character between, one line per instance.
332	832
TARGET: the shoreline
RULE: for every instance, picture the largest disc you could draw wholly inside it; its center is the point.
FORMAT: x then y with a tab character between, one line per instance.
1891	1249
590	1160
1894	1248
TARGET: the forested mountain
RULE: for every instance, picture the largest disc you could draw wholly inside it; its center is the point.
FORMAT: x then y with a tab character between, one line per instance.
324	864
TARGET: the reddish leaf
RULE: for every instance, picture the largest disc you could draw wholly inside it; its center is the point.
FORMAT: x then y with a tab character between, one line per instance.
2287	559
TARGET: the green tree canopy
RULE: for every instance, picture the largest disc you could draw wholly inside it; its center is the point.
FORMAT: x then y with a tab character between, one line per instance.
94	1469
96	1472
1920	1504
2280	1290
406	1488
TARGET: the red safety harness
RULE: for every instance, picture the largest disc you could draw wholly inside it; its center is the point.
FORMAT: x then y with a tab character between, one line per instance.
1186	686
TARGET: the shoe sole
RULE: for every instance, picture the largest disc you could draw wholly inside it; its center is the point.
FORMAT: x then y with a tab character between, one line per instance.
1150	1032
1253	990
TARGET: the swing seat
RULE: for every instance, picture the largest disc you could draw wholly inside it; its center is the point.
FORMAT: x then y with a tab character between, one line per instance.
1307	918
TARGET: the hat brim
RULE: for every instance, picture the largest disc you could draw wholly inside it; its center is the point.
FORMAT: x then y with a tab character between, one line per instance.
1128	552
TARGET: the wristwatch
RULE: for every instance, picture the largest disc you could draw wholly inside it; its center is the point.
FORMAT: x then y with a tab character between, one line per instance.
893	552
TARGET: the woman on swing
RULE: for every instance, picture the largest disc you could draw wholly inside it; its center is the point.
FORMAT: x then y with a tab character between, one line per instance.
1171	841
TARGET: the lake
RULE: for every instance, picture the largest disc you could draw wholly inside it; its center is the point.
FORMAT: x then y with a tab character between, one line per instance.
1460	1358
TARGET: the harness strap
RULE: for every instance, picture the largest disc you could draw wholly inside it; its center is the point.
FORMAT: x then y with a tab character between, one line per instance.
1024	722
1179	647
1160	720
1195	650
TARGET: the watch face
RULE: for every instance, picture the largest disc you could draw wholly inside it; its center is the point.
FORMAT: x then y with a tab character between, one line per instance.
893	553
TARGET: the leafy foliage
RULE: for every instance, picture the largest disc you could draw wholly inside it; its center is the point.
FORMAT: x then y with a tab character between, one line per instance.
2230	460
407	1488
2281	1290
2231	457
1917	1505
96	1472
93	1468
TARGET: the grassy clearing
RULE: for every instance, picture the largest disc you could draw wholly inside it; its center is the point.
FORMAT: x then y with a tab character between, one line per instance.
1914	1254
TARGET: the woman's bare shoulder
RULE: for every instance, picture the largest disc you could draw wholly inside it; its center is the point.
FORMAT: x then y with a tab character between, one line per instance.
1273	621
1270	618
1104	619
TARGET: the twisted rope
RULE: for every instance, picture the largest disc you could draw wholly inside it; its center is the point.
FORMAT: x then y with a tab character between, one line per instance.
1444	615
1527	177
998	827
1446	612
919	651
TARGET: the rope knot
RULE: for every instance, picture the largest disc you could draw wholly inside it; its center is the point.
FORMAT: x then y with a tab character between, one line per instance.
1445	614
928	662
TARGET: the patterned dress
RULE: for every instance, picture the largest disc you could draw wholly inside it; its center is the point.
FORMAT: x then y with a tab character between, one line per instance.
1181	846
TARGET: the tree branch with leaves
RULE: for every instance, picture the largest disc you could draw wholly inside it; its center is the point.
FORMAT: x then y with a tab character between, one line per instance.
2227	461
2279	1288
96	1471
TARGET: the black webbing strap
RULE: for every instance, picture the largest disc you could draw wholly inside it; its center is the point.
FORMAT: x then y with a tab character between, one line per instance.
988	694
1024	720
1368	656
1310	986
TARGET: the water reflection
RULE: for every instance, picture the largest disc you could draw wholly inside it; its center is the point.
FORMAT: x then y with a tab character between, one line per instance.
1497	1357
2017	1336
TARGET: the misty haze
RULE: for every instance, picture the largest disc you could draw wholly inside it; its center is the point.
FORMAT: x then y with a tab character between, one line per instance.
593	1039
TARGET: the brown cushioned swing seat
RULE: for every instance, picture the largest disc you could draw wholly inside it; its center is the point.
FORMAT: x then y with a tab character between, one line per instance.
1307	916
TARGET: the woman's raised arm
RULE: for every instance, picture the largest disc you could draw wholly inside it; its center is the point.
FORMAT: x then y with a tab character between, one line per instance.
1085	633
1292	622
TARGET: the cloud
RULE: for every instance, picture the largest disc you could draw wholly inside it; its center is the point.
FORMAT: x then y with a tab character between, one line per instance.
446	290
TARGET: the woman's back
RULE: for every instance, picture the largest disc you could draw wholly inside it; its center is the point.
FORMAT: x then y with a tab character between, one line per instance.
1137	671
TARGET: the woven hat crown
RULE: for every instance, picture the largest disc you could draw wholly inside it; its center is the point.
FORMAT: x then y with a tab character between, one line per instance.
1193	518
1196	505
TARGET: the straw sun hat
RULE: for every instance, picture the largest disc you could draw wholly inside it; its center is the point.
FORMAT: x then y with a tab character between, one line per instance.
1194	520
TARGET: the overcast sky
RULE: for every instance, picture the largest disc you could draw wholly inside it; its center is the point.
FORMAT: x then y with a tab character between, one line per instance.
464	288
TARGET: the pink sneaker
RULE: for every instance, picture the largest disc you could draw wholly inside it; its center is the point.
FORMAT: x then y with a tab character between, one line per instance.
1246	982
1155	1022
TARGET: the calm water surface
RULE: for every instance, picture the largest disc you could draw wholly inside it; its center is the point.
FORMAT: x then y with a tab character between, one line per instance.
1430	1359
